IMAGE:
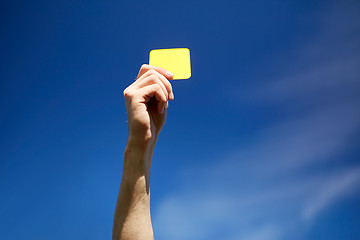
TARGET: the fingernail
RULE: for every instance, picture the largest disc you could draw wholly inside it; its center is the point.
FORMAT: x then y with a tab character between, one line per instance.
169	74
172	96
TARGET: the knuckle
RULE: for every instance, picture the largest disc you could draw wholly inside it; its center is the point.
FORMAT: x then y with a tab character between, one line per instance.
144	66
152	72
127	93
161	93
153	78
157	87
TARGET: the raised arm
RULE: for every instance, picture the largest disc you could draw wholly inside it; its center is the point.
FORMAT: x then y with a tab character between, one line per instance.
146	104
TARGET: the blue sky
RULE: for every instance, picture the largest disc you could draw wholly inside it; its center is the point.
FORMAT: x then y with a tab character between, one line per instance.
262	142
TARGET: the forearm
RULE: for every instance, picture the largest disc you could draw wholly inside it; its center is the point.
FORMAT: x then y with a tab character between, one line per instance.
132	214
146	103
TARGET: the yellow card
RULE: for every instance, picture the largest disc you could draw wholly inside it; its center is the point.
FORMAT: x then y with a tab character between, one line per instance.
175	60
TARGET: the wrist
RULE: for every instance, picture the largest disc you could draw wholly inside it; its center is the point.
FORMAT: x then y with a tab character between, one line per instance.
137	159
141	139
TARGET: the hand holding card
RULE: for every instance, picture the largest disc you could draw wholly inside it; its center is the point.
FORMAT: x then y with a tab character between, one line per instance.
175	60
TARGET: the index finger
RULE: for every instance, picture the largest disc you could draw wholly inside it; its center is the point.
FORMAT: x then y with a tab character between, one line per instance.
145	67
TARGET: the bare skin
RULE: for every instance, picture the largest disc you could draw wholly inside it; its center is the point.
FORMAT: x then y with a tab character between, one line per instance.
146	104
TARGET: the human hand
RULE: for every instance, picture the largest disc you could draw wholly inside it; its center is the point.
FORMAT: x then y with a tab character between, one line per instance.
147	102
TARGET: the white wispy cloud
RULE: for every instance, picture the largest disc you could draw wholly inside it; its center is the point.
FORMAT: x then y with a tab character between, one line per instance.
266	232
265	188
306	140
325	71
263	183
346	183
331	79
